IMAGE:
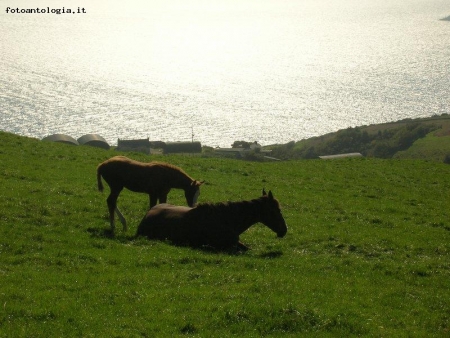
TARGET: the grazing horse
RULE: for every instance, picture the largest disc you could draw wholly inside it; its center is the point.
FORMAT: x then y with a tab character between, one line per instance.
212	225
154	178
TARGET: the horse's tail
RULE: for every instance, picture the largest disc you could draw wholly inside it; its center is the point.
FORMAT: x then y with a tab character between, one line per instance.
99	179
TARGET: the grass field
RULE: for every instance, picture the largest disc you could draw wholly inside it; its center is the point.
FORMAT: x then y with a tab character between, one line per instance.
432	147
367	252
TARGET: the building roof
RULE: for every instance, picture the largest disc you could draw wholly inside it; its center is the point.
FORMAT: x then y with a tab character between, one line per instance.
93	140
329	157
61	138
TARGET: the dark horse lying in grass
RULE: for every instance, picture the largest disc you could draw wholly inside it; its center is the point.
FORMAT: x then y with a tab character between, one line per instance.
154	178
212	225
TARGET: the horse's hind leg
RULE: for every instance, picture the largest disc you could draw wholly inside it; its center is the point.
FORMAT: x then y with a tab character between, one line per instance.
112	206
111	201
122	219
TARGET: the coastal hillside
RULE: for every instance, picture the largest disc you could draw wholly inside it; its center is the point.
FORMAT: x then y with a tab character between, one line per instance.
425	138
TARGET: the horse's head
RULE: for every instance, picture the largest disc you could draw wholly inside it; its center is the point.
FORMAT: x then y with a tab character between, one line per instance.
271	215
192	193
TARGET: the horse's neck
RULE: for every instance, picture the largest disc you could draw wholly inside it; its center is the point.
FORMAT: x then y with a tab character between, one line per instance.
249	214
181	181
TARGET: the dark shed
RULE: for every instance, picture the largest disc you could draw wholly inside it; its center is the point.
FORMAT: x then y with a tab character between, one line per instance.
141	145
182	147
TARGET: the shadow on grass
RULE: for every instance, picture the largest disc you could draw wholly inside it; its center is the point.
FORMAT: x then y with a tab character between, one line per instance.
271	254
109	234
101	233
106	233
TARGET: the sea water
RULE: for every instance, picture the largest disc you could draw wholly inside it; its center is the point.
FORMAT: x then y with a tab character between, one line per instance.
217	71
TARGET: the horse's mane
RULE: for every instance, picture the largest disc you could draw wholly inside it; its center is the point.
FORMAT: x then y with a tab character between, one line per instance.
219	206
229	211
227	205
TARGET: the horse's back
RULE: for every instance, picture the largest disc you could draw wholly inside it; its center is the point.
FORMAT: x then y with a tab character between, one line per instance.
121	162
164	221
140	176
167	211
120	171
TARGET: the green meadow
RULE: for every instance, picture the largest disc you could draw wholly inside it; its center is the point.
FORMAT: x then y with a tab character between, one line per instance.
367	251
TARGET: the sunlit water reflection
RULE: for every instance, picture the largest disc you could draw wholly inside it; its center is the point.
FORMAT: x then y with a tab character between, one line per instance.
250	70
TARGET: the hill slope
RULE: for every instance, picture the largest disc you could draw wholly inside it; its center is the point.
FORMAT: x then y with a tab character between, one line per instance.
367	252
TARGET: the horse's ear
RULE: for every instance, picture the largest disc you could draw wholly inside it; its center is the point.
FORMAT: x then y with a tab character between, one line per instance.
264	192
197	183
270	195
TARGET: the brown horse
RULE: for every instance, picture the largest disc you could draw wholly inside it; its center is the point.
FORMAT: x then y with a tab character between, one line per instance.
212	225
154	178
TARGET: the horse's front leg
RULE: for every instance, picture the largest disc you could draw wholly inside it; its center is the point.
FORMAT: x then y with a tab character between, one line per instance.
230	242
160	195
153	199
241	246
163	198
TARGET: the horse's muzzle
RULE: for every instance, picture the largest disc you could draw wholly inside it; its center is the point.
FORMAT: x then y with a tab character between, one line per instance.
282	233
